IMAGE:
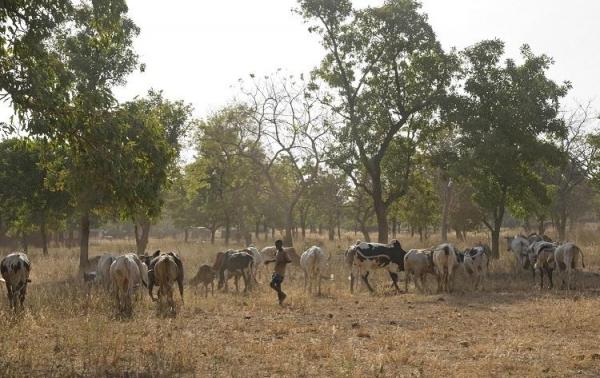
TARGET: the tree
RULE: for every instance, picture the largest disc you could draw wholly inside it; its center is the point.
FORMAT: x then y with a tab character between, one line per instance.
223	183
292	127
97	53
420	207
581	154
505	112
159	125
32	74
27	203
388	73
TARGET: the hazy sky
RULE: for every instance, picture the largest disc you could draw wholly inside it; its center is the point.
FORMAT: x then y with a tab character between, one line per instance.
196	50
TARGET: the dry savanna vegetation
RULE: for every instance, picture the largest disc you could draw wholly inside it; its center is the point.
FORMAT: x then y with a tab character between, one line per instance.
510	328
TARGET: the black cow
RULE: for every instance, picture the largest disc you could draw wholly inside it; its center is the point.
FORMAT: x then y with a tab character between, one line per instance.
236	264
371	256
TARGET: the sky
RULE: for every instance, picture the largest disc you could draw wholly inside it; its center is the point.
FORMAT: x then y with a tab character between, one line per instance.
197	50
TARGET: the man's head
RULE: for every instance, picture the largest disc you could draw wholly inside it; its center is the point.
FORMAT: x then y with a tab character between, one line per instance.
278	244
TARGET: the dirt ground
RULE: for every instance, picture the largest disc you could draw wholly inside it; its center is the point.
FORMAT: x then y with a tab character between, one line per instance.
511	328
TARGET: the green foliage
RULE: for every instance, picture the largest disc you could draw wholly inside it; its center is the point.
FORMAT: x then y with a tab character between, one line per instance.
388	74
26	200
507	115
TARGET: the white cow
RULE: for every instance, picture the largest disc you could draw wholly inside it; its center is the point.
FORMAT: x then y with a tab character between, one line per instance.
314	264
15	269
103	270
418	263
566	257
126	273
476	263
519	245
446	262
258	260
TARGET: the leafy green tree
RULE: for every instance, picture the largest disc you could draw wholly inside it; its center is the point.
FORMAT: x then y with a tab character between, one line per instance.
506	113
27	203
420	208
33	76
387	73
157	126
222	183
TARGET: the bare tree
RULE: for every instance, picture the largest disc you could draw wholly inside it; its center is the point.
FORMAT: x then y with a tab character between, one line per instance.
291	127
581	156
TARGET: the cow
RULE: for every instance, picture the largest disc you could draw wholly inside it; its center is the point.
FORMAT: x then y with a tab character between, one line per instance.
126	272
476	264
103	270
349	262
541	257
418	263
167	269
446	261
234	264
206	275
518	245
566	257
314	263
152	260
15	269
258	260
371	256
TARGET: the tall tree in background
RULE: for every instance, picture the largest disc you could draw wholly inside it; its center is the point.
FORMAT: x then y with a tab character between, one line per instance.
292	127
387	72
27	202
504	113
160	125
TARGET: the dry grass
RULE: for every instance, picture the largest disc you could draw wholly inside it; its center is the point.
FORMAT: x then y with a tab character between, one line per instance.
512	328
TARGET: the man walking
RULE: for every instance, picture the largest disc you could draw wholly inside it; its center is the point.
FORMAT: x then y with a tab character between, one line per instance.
281	260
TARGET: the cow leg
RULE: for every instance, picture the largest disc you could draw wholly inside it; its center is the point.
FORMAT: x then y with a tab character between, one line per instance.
23	293
9	294
366	281
352	279
406	279
319	283
394	277
305	280
549	273
541	278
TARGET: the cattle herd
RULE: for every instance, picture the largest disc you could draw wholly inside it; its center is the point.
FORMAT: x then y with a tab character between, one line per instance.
123	275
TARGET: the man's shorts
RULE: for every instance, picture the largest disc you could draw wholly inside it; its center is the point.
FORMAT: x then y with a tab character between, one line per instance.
276	279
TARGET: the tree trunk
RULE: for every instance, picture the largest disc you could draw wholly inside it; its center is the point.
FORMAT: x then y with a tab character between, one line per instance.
257	230
458	234
141	240
382	221
186	234
71	238
541	225
24	242
213	232
227	230
289	223
320	229
561	224
84	240
331	233
496	242
446	209
365	231
394	227
44	234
